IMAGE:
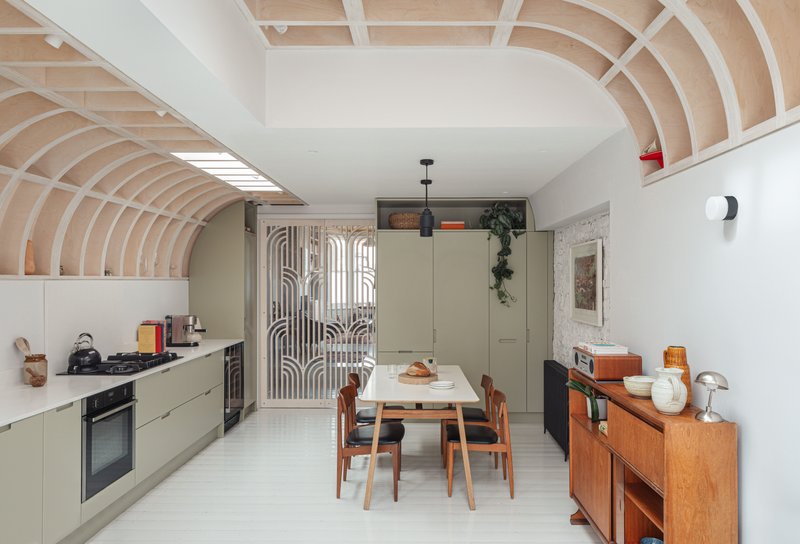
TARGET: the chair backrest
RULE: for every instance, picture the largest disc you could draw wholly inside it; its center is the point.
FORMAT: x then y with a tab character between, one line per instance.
354	379
500	406
488	390
345	413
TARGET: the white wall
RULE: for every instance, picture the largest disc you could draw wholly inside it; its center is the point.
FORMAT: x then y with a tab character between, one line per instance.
222	39
51	313
725	291
430	88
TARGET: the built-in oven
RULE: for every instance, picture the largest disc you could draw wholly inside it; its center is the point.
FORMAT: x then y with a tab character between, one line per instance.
109	427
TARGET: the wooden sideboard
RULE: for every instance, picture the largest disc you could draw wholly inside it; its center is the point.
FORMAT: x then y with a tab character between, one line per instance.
670	477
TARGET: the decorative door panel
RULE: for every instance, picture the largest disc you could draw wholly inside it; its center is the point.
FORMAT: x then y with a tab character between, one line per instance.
318	304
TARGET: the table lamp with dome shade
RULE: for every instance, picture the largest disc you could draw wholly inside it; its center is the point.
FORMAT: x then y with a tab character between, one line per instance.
712	381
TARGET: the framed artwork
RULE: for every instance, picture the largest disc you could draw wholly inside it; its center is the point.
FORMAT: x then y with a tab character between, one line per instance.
586	281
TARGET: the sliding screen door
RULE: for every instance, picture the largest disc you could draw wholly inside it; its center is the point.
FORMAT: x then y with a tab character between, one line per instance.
317	308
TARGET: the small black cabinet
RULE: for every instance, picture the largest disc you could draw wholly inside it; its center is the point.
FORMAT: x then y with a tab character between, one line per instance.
556	404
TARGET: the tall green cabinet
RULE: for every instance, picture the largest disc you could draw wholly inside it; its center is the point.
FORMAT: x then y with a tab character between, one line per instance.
433	298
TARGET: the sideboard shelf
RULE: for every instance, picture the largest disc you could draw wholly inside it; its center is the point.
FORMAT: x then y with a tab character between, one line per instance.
669	477
647	501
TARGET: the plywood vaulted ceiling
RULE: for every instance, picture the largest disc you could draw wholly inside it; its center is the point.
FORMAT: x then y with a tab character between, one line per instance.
698	77
86	166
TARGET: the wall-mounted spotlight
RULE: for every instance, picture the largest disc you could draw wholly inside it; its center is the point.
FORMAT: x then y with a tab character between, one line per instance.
721	208
161	113
280	29
53	40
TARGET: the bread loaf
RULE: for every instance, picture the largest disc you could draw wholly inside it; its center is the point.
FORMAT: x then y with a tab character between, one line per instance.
418	369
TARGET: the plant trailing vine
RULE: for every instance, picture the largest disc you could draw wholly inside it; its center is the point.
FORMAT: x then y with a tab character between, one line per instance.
502	221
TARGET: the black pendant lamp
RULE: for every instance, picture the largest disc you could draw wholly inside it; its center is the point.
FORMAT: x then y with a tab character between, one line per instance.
426	220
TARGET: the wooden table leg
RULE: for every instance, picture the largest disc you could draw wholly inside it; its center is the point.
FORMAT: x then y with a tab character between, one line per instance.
373	456
465	456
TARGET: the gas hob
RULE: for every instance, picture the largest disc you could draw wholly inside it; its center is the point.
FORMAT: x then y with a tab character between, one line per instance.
124	363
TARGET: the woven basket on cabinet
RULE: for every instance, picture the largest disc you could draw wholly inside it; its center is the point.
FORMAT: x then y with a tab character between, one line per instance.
404	221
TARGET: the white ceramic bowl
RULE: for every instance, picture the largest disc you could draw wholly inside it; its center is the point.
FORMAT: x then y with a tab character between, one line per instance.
639	386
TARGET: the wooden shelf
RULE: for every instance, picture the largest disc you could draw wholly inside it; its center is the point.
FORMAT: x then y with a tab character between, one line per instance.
593	428
468	210
647	501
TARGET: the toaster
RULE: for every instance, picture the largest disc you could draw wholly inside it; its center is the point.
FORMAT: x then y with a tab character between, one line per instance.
607	367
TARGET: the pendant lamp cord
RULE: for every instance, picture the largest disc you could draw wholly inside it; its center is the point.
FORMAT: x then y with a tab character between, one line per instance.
426	186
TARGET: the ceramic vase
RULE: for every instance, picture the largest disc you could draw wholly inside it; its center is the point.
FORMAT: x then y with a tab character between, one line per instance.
669	393
675	357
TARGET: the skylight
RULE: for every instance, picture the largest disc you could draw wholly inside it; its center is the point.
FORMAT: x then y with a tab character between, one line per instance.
229	169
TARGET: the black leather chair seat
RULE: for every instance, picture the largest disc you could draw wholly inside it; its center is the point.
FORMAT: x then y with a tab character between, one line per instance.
367	415
476	434
474	414
391	433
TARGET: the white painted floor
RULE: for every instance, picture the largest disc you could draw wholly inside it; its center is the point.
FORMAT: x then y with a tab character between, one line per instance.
272	479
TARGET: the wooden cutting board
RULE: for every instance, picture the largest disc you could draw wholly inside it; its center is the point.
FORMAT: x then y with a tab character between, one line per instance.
416	380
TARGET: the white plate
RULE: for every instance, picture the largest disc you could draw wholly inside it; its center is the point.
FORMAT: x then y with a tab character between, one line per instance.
442	384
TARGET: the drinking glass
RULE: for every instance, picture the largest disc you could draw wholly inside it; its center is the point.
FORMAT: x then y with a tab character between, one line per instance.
392	370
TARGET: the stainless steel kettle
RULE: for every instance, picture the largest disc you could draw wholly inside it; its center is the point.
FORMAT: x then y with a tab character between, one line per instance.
83	354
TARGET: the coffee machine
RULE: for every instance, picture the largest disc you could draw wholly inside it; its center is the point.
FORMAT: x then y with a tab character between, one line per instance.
183	331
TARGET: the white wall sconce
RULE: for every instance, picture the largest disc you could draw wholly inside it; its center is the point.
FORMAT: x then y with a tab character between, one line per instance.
280	29
53	41
161	113
721	208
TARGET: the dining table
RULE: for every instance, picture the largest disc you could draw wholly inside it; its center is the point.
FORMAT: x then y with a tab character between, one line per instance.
384	387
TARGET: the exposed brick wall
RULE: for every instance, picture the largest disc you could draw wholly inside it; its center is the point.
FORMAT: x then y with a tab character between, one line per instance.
566	332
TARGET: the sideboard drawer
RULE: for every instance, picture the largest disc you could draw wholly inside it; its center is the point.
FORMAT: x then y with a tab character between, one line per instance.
641	445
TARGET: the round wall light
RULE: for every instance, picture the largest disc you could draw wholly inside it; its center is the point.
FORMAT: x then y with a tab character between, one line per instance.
721	208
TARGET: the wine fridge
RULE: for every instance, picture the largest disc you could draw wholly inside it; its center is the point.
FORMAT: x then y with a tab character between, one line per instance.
234	384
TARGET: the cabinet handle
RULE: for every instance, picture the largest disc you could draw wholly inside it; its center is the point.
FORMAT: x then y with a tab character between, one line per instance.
434	336
5	428
165	370
508	340
405	351
527	336
207	356
209	392
62	408
165	416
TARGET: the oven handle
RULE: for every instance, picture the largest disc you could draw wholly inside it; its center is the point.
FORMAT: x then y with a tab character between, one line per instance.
114	411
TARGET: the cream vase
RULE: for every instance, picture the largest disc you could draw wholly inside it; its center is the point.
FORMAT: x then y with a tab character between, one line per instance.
669	393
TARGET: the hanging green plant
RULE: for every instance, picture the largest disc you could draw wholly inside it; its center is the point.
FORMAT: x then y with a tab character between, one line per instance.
502	221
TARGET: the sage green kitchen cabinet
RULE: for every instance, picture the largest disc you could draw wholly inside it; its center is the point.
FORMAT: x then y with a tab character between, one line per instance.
405	291
163	438
62	472
160	392
401	357
508	328
223	279
21	448
461	302
539	257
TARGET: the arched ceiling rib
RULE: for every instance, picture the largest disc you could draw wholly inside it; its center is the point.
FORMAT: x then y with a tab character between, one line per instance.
86	166
697	76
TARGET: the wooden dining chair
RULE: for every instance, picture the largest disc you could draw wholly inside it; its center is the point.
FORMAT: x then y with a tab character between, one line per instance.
474	416
367	415
353	439
483	438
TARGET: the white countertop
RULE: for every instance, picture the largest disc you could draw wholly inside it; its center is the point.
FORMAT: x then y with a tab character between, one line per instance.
381	388
20	401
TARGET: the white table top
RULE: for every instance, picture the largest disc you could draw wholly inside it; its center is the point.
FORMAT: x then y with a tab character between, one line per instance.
19	401
380	388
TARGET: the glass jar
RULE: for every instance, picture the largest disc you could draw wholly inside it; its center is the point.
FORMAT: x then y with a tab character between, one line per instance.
34	370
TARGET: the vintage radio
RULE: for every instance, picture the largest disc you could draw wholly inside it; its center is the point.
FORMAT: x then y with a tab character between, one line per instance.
607	367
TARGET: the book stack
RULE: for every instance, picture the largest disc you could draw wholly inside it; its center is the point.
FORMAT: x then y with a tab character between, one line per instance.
603	348
152	336
452	225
